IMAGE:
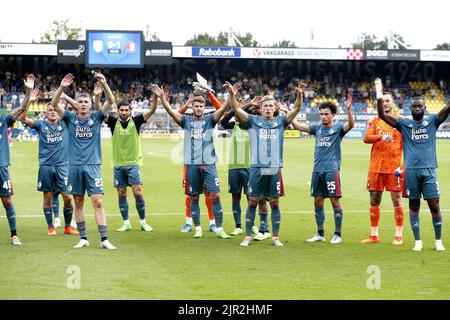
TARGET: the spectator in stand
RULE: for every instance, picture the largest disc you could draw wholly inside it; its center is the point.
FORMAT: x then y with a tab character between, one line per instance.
443	85
433	93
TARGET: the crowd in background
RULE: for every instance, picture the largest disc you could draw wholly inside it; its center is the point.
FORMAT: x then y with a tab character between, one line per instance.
136	87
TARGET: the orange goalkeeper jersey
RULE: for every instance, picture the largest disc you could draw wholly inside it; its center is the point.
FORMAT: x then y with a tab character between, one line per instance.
385	157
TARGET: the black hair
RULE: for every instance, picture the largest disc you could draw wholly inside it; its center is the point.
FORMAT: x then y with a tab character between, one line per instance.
124	102
328	105
418	98
422	98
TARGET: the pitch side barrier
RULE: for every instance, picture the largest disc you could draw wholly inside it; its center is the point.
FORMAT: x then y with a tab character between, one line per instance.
69	49
175	61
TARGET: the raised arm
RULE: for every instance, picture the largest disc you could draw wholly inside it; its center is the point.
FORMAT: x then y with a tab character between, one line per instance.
186	106
153	105
159	92
71	101
226	123
24	115
65	82
386	117
348	105
98	90
443	114
239	113
254	103
110	99
29	85
300	126
73	104
216	103
295	123
226	120
300	88
221	111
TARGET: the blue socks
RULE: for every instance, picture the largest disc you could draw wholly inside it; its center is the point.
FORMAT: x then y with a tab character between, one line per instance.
11	215
250	217
81	226
338	215
103	230
195	212
123	207
217	209
320	220
68	213
140	207
437	224
415	223
237	211
263	222
276	217
55	204
48	214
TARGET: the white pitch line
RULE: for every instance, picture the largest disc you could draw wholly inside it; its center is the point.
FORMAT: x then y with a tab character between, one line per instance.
182	213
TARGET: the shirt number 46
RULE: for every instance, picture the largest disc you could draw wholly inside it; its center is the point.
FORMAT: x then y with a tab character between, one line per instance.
7	185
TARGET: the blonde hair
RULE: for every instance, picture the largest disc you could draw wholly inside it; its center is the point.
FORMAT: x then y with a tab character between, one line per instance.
266	98
84	94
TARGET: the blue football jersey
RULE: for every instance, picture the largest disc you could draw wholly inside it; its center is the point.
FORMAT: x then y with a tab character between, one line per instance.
198	140
266	141
419	142
5	122
327	152
84	138
52	142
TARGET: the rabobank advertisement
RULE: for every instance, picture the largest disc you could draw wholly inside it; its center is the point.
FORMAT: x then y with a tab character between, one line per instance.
117	49
216	52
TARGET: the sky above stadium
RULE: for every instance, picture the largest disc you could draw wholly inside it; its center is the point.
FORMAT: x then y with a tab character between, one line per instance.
334	23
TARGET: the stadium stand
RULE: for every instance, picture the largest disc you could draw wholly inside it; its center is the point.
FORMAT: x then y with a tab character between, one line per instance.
137	89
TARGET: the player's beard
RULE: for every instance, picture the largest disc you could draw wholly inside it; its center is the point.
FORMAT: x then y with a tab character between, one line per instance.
124	117
199	115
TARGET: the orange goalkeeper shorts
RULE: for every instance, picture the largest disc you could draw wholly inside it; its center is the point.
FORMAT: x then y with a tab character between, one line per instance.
380	181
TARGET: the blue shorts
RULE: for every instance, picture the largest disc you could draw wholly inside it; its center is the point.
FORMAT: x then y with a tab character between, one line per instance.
238	180
127	176
6	189
200	178
53	178
326	184
87	177
264	182
422	181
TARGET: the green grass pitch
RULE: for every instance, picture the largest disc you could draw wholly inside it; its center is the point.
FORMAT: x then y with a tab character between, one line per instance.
167	264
